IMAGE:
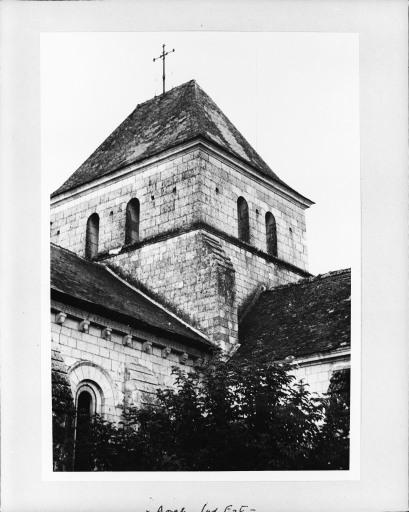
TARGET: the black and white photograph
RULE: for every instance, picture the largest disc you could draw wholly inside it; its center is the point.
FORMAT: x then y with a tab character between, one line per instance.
189	330
204	261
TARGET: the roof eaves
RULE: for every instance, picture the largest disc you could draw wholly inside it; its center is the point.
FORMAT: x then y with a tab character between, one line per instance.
62	296
198	123
196	333
258	173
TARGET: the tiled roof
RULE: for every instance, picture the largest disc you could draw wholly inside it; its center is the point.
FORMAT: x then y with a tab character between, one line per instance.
180	115
92	286
301	319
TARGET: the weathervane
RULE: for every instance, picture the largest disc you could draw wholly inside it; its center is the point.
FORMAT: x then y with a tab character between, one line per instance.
162	56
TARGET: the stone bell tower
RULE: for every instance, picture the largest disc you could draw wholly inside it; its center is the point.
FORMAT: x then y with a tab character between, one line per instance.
183	204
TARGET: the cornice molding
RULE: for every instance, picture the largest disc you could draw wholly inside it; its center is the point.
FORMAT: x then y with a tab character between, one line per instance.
119	319
197	143
201	226
323	357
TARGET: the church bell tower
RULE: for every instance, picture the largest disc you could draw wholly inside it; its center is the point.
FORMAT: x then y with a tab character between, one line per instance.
180	202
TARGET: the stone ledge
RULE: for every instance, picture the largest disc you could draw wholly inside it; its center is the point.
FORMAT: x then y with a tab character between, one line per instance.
197	226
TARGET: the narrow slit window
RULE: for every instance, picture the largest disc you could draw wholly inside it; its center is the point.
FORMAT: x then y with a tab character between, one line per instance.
91	242
132	222
271	234
243	220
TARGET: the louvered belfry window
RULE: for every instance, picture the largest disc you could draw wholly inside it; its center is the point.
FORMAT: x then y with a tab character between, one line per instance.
243	220
91	241
271	234
132	222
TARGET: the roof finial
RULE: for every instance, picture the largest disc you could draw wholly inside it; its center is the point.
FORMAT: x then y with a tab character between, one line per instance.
162	56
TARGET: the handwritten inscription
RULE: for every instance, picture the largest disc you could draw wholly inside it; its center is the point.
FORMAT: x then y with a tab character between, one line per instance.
208	508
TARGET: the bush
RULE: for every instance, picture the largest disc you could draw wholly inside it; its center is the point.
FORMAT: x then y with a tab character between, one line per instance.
243	414
237	415
332	450
62	422
246	414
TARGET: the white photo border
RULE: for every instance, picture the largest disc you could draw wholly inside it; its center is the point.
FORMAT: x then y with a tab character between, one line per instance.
382	29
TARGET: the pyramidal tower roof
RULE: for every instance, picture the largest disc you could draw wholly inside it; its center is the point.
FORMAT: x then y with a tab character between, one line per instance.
182	114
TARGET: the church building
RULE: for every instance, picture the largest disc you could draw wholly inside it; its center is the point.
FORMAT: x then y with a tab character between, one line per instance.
173	239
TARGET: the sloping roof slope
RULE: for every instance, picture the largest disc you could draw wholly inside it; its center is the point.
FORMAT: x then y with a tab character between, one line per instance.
93	286
301	319
180	115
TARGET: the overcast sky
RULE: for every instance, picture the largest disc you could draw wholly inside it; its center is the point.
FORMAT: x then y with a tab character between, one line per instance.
294	96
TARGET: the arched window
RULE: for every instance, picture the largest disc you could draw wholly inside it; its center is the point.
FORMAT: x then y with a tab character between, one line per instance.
132	222
88	402
91	241
85	405
271	234
243	219
84	415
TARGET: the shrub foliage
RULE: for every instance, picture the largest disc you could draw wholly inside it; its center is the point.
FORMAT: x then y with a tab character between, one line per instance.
241	414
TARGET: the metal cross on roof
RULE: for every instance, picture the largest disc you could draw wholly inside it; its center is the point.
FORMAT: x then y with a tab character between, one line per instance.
162	56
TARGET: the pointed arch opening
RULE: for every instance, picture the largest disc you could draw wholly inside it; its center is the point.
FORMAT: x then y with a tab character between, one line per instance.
243	220
271	234
132	222
92	236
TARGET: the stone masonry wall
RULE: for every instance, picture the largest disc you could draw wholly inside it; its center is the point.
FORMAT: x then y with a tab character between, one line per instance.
168	193
192	186
318	374
208	280
191	272
128	370
253	270
221	186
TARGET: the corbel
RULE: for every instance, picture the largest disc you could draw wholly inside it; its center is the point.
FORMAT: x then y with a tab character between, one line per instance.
183	358
106	333
84	326
127	340
166	352
60	317
147	347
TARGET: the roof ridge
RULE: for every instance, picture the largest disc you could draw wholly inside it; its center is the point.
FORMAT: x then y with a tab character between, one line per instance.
158	304
163	94
82	258
237	134
310	279
133	286
68	250
193	121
